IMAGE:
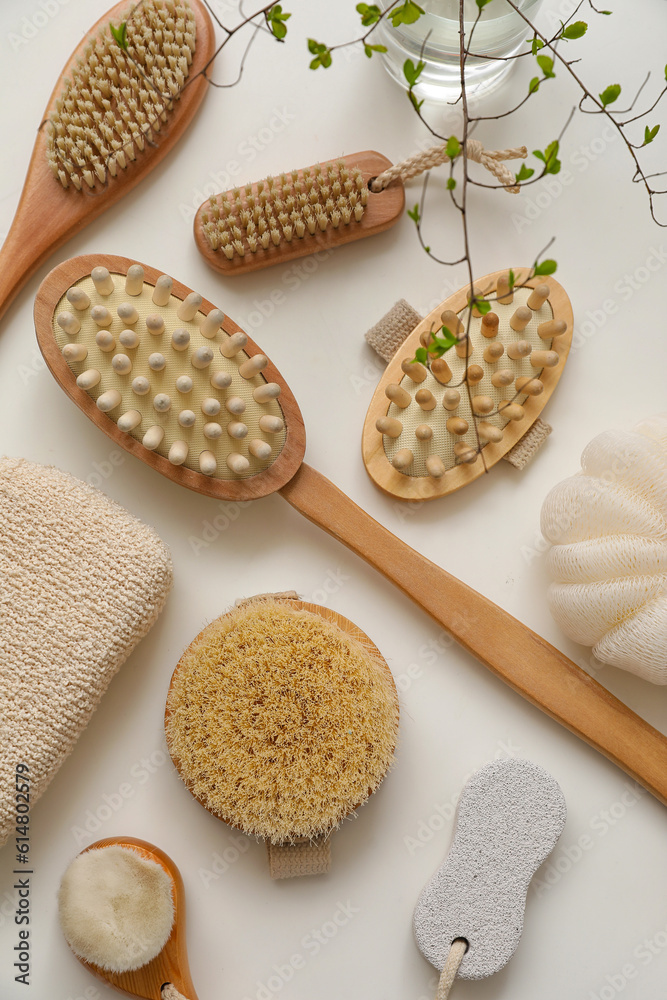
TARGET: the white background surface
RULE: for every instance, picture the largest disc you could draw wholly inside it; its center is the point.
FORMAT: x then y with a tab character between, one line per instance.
594	919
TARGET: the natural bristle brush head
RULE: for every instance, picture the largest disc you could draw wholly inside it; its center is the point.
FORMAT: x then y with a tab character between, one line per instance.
282	718
169	377
121	908
114	113
296	213
436	424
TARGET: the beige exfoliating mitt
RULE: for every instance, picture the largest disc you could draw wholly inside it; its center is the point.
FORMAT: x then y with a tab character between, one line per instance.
81	582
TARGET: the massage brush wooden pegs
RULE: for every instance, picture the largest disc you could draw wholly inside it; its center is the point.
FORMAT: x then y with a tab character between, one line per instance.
215	352
60	196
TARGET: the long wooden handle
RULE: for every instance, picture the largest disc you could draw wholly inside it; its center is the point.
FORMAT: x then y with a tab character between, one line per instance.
535	669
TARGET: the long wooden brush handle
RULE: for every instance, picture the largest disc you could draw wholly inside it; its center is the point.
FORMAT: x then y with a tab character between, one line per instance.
531	666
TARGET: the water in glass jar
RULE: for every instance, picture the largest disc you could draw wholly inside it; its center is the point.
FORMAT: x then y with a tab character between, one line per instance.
500	31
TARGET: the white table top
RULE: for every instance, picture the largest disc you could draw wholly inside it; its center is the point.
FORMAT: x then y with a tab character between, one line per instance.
596	922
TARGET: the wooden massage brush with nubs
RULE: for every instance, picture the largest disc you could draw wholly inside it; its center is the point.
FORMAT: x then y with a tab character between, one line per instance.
175	382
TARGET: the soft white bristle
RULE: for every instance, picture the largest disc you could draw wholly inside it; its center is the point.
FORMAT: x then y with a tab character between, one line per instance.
235	405
75	352
263	393
128	421
270	424
178	452
237	463
88	379
260	449
105	341
212	431
153	437
231	347
221	380
157	362
69	323
253	365
207	463
212	323
78	299
210	406
127	313
141	386
134	280
202	357
155	324
189	308
180	339
184	384
187	418
162	403
101	316
129	339
104	283
109	400
113	103
121	364
162	290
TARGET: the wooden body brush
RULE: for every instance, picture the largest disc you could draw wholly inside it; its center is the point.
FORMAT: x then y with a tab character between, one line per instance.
282	719
294	214
206	371
425	435
122	910
108	123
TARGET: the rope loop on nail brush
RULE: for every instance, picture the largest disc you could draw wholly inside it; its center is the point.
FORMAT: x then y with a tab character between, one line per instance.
169	992
491	159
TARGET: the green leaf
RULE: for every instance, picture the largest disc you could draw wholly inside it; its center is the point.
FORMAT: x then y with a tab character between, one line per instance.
415	103
546	64
453	147
406	13
650	134
321	53
370	13
445	341
666	72
481	305
412	72
275	19
120	34
549	158
610	94
524	174
421	355
534	85
482	3
545	267
511	278
414	215
451	183
575	30
536	45
370	49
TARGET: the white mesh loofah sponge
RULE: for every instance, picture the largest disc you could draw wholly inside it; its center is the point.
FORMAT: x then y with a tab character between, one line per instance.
608	528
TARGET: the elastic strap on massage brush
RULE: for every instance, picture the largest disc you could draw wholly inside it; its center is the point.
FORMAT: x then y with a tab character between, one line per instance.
449	970
436	155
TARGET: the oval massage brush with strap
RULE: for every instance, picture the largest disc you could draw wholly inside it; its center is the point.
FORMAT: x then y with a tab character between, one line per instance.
113	115
281	719
171	379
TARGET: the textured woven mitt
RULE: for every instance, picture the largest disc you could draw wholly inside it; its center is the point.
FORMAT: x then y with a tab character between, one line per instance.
81	582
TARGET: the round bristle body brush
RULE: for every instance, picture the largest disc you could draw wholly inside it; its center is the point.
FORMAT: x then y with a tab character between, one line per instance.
121	906
282	719
437	424
113	115
152	382
298	213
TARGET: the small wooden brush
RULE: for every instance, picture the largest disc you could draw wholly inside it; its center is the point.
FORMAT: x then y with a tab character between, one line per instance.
297	213
111	118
